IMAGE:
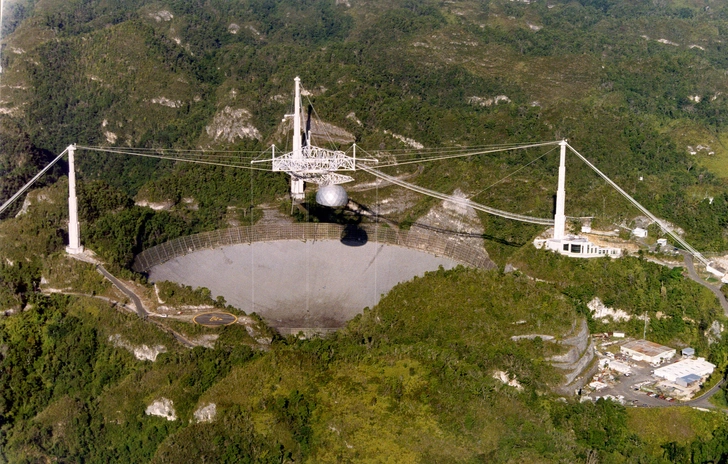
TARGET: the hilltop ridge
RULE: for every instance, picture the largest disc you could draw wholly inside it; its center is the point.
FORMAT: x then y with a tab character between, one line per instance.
637	88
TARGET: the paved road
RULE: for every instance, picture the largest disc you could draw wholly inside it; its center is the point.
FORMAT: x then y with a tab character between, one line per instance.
703	402
694	276
132	296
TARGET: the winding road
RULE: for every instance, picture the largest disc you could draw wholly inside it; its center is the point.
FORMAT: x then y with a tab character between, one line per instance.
132	296
702	400
694	276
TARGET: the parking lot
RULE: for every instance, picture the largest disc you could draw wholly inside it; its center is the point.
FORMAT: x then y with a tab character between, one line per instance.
639	387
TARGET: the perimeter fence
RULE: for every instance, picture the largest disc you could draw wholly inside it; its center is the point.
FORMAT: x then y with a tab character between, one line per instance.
419	239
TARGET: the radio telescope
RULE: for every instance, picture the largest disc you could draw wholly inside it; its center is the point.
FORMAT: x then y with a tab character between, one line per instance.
312	164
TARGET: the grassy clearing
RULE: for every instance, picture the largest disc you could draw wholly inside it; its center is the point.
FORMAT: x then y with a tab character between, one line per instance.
657	426
249	385
373	410
718	162
58	413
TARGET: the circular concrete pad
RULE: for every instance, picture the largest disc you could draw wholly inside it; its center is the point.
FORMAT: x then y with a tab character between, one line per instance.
296	284
215	319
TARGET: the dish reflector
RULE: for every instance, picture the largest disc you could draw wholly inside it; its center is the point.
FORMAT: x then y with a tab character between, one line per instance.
333	196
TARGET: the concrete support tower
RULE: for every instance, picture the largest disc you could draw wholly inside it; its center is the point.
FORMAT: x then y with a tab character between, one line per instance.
560	217
297	184
74	233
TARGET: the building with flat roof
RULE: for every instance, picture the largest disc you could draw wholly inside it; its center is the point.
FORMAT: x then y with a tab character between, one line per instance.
620	368
688	380
688	351
685	368
577	246
639	232
645	350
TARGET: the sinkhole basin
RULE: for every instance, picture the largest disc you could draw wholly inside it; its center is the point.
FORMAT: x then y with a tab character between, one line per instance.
295	284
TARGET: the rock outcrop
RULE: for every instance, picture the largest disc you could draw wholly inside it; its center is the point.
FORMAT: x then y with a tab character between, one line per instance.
163	407
206	413
230	124
576	361
141	352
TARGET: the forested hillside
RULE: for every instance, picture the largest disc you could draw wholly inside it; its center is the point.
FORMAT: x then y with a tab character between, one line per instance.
412	380
638	87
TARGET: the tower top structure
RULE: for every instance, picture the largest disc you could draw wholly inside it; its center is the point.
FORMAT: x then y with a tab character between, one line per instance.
307	162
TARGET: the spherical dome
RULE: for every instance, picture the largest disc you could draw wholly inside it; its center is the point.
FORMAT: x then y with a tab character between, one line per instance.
333	196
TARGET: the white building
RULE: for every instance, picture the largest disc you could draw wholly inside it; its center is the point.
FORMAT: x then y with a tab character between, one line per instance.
597	385
639	232
644	350
574	246
619	367
685	368
688	352
577	246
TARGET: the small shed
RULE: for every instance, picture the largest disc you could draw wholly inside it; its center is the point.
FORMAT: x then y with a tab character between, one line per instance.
688	380
639	232
688	352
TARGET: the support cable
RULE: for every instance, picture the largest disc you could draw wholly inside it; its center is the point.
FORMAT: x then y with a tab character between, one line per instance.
510	175
172	158
376	246
644	210
175	150
31	182
252	248
457	200
465	155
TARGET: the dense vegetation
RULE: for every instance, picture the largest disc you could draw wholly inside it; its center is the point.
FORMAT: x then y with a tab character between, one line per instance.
410	380
632	85
680	311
